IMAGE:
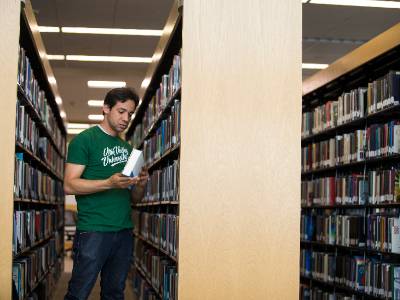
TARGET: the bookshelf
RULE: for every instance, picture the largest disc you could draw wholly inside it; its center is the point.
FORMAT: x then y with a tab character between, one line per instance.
368	203
228	240
33	152
160	207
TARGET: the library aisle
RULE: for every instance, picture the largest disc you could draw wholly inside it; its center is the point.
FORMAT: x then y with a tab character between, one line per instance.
269	168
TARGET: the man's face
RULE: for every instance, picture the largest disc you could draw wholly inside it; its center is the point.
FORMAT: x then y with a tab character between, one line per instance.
119	115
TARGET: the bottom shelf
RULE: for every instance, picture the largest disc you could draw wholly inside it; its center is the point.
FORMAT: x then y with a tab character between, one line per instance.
141	271
43	287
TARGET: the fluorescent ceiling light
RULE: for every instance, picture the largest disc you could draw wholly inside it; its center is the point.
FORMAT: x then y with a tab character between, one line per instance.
75	130
55	57
105	84
156	56
95	103
78	125
52	80
130	59
116	31
63	114
364	3
48	29
314	66
58	100
96	117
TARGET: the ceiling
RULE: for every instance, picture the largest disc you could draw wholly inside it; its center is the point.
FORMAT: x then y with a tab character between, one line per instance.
72	76
329	32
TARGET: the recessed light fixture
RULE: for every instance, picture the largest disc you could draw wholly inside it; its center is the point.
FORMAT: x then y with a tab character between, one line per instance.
130	59
49	29
55	57
364	3
96	117
145	83
105	84
314	66
95	103
156	56
75	130
58	100
115	31
78	125
52	80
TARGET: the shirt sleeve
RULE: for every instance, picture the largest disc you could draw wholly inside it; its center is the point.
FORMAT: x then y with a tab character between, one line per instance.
78	150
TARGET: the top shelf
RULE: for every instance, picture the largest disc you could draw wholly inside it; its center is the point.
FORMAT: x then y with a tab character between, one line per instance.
169	44
392	111
31	41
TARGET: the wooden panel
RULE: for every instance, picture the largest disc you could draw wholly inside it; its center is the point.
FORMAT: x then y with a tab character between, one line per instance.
375	47
9	34
240	160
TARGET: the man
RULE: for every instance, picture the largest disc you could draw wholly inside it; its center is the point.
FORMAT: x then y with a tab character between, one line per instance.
103	242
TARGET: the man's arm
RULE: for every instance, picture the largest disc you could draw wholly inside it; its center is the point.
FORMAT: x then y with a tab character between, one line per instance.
74	185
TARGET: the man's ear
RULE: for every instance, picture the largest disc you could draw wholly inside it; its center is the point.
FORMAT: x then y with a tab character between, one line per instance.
106	109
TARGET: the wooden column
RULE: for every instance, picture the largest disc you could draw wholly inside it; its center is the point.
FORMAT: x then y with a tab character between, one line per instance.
9	34
240	158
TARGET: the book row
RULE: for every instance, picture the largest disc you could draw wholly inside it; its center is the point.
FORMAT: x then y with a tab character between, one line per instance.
160	270
46	287
48	154
27	133
165	137
170	83
32	226
364	274
142	289
372	187
36	95
315	293
378	231
29	269
160	229
378	140
350	106
163	185
31	183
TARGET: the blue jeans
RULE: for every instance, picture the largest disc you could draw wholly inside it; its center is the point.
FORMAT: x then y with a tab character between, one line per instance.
107	252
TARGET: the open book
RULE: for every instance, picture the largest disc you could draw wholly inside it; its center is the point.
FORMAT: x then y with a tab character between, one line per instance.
134	164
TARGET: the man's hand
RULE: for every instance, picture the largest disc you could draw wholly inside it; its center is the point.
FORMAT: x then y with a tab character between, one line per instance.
119	181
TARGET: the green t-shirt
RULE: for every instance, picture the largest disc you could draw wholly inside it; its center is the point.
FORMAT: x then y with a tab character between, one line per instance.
103	155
